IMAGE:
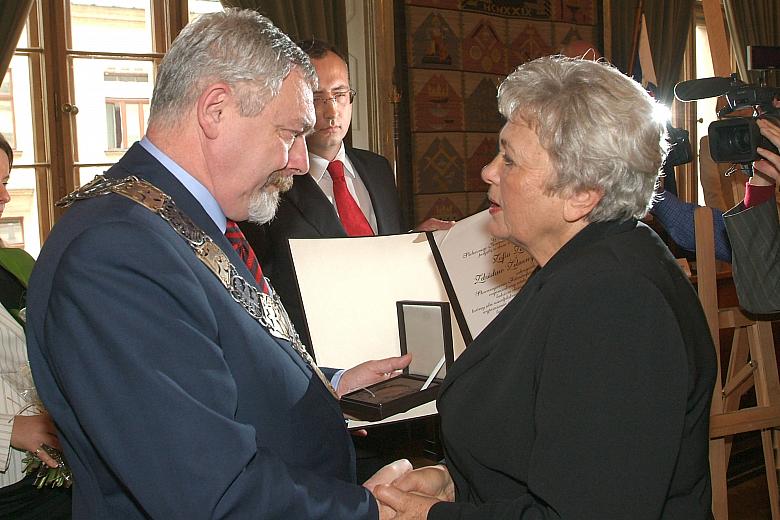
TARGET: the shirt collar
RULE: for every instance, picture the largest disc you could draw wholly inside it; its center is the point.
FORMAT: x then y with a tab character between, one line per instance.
192	185
319	165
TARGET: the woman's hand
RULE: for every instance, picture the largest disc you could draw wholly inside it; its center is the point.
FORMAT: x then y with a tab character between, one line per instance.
31	432
397	504
769	167
384	476
413	494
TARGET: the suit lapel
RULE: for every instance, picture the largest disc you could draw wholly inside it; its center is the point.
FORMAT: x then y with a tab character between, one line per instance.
314	206
375	192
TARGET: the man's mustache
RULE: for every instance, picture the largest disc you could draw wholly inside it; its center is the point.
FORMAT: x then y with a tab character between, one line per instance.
279	180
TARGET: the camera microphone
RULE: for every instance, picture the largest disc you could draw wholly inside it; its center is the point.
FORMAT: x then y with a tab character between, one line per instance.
694	89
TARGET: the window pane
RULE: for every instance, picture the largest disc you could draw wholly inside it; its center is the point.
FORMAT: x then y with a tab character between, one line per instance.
16	110
134	125
7	122
7	127
113	126
24	38
199	7
111	25
102	90
12	231
21	213
5	86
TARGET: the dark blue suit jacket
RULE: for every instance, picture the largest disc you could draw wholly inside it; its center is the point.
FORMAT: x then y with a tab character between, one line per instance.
172	402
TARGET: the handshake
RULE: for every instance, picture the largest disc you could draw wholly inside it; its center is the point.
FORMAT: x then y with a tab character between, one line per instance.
406	493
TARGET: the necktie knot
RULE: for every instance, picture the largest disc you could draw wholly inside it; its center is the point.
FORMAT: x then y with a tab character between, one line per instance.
336	170
239	242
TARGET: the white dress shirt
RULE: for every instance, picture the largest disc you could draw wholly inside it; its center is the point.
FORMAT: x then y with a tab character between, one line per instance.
13	355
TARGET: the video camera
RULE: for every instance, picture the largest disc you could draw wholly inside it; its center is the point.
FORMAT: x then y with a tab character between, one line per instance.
735	139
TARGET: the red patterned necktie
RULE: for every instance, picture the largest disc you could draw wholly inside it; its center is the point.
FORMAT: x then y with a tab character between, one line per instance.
244	250
352	218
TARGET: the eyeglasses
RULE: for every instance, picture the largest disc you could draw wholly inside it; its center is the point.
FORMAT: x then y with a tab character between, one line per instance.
344	97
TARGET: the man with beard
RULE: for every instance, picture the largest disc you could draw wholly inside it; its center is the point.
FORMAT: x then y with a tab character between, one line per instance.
361	200
171	370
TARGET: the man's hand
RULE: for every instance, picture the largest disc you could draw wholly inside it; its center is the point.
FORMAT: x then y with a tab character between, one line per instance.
371	372
434	481
411	495
434	224
768	169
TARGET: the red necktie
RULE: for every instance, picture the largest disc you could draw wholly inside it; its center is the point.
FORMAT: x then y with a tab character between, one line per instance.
244	250
352	218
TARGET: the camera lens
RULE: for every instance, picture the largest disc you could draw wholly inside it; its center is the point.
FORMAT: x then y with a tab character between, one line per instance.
734	140
738	140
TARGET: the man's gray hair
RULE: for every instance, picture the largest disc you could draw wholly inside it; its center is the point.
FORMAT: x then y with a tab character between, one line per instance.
240	47
598	127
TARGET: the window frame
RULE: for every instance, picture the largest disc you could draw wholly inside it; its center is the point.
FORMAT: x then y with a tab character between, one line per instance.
52	91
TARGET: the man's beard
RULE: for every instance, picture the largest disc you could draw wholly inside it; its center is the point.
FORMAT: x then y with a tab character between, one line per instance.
264	201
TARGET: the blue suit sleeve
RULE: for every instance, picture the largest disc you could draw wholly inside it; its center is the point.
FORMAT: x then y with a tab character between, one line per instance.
134	345
676	217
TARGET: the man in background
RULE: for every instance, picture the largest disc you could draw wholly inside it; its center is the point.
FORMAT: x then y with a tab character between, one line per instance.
348	191
166	361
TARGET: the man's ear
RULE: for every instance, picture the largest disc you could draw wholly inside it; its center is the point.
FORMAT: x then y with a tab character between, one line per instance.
211	106
578	205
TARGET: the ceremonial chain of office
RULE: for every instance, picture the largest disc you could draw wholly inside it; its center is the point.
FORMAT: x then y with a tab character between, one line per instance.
266	309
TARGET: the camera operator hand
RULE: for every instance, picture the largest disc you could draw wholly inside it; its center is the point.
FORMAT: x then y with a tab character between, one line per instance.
767	170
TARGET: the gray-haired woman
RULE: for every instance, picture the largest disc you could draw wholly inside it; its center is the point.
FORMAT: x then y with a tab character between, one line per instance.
589	395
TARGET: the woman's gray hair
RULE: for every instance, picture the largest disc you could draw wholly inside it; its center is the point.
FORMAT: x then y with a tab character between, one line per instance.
598	127
238	46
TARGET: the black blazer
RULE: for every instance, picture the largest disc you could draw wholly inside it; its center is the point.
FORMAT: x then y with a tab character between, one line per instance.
305	212
589	394
171	401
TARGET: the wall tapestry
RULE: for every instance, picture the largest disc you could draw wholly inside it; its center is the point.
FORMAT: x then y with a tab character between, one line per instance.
456	53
